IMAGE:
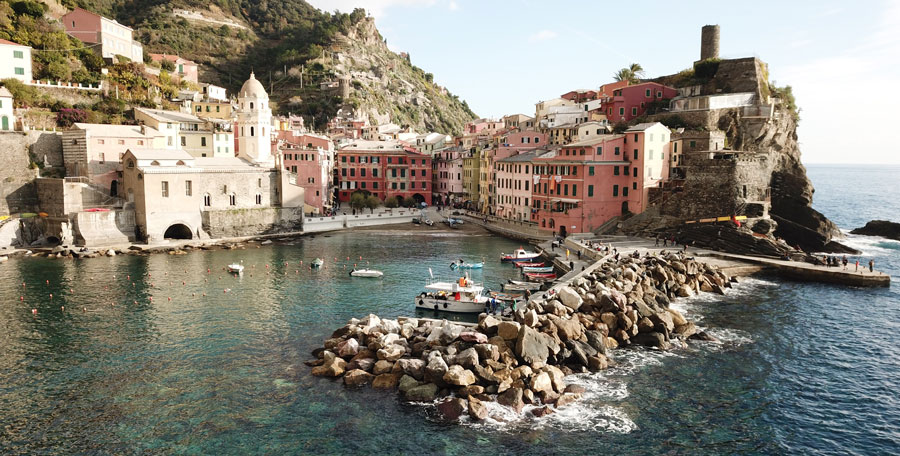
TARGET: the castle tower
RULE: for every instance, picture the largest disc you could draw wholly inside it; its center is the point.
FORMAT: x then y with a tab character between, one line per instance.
254	120
709	42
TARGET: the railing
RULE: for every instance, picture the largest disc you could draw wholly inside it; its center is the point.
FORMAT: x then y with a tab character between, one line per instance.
66	85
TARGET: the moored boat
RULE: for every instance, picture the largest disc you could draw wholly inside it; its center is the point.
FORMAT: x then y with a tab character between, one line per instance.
461	296
538	269
525	264
236	268
519	255
463	265
317	263
365	273
526	285
540	276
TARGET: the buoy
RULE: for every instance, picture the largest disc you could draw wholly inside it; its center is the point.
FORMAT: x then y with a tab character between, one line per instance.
151	298
51	295
360	258
207	270
22	298
33	311
62	308
170	298
128	276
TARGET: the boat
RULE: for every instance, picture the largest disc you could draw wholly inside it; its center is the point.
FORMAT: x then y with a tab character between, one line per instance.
540	276
461	296
510	288
467	265
317	263
365	273
507	296
236	268
523	264
519	255
528	285
538	269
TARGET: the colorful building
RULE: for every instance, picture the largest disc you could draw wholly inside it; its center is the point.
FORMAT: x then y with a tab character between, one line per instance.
448	170
385	169
185	70
199	137
7	113
513	182
95	151
632	101
111	37
311	159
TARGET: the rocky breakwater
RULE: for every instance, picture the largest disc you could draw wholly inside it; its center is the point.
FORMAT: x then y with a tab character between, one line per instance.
522	362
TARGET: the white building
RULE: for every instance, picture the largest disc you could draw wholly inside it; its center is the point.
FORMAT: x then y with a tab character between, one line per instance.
254	120
112	37
7	115
15	61
214	92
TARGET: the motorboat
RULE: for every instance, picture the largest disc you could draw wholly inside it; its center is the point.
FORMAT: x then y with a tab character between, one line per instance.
236	268
537	269
317	263
519	255
464	265
461	296
365	273
524	264
526	285
428	222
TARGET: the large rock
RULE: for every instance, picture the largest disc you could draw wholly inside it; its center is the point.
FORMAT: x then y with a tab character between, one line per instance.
487	352
566	399
477	410
567	329
415	368
452	408
489	324
663	320
436	368
512	398
881	228
531	318
651	339
542	411
332	366
508	330
473	337
596	340
357	377
532	346
407	383
570	298
459	376
677	318
365	364
391	353
449	333
382	367
687	330
422	393
369	323
540	383
387	381
597	362
348	348
467	358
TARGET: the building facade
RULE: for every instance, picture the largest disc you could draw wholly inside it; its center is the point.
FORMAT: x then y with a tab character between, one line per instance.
95	151
185	70
254	122
311	159
7	112
199	137
632	101
386	169
111	37
15	61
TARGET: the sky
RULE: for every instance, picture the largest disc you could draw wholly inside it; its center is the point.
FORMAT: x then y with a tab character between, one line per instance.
841	58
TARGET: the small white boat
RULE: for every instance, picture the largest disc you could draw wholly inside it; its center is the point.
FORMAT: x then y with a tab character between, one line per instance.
317	263
461	296
236	268
538	269
463	265
519	255
365	273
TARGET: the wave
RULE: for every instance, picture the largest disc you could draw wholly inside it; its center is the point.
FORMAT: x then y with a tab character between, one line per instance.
871	245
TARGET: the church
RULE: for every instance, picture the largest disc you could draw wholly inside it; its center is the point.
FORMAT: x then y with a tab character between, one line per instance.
176	195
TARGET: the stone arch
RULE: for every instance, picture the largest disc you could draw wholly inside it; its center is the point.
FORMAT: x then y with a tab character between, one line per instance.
178	231
418	198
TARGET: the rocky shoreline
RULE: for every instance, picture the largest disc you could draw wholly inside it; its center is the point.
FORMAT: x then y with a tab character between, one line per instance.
881	228
524	359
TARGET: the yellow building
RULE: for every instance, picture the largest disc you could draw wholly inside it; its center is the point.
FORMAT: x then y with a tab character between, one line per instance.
196	136
213	109
485	179
471	175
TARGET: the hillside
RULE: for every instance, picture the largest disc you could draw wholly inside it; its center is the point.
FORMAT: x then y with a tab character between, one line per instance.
293	48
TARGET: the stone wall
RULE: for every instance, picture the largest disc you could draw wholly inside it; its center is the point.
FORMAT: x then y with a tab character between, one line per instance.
252	222
94	229
16	174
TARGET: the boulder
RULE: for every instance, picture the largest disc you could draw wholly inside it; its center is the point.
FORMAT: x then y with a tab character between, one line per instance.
512	398
473	337
382	367
392	353
357	377
366	364
645	325
407	383
452	408
489	324
387	381
663	320
467	358
677	318
567	329
531	318
449	333
566	399
598	362
348	348
542	411
459	376
540	383
487	352
436	368
687	330
508	330
557	377
470	390
596	340
610	320
422	393
575	389
651	339
387	340
570	298
532	346
415	368
407	331
332	366
477	410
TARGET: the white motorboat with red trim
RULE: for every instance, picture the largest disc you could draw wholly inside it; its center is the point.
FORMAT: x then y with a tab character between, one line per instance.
461	296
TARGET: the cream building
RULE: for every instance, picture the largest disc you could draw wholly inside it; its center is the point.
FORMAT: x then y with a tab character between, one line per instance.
199	137
254	122
15	61
95	151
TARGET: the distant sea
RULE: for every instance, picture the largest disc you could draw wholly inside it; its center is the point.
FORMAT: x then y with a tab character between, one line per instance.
801	368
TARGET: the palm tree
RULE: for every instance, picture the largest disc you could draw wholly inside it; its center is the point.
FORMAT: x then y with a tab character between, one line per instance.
637	70
633	73
624	74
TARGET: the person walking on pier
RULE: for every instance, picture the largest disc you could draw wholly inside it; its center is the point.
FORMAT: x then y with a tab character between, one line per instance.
844	262
871	265
857	265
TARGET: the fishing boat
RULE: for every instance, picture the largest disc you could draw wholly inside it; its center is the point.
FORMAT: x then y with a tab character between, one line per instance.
236	268
365	273
519	255
538	269
317	263
463	265
524	264
540	276
461	296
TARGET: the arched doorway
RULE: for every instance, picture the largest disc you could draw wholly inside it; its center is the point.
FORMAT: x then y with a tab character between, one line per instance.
562	230
624	207
418	198
178	231
114	188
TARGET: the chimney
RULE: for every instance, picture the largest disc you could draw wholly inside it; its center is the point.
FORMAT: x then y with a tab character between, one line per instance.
709	42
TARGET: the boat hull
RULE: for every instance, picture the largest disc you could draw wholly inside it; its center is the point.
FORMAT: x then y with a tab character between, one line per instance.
369	274
527	258
449	305
547	269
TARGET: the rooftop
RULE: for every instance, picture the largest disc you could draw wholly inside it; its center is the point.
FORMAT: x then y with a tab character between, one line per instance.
160	154
116	131
10	43
594	140
169	116
642	126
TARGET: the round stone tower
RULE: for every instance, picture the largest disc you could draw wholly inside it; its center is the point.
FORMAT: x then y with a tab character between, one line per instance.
709	42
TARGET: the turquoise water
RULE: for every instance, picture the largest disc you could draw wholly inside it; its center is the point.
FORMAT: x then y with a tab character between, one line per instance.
802	368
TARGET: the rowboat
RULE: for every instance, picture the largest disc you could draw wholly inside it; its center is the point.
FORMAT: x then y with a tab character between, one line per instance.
538	269
366	273
523	264
460	296
317	263
527	285
510	288
466	265
236	268
540	276
519	255
507	296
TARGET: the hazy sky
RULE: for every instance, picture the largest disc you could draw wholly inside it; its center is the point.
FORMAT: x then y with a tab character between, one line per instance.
502	57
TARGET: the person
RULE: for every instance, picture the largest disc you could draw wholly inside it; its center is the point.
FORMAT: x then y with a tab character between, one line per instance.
579	253
567	254
665	242
844	262
657	241
871	265
857	265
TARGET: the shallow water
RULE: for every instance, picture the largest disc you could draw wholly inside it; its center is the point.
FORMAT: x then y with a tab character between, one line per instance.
801	368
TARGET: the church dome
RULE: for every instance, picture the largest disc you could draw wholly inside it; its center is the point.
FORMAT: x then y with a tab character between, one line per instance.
253	88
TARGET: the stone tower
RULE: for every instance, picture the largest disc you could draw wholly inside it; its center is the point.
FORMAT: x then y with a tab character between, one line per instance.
254	122
709	42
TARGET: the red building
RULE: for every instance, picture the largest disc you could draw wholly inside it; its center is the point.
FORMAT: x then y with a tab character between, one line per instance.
629	102
385	169
310	157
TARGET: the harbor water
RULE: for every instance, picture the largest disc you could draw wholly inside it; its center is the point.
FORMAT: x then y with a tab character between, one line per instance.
801	368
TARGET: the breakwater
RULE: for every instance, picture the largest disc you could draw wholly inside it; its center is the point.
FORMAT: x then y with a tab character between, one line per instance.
523	360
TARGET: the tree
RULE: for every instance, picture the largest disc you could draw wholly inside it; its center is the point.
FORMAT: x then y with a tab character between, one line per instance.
357	200
633	74
637	70
168	65
409	202
372	202
391	202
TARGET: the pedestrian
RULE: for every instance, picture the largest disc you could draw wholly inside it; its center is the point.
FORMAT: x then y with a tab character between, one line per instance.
579	254
567	254
857	265
844	262
871	265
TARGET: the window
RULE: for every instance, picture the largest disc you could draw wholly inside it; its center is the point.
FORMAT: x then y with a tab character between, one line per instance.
635	155
100	141
390	159
140	142
207	108
199	109
184	141
362	172
574	189
402	185
624	191
566	190
375	185
217	108
352	159
634	111
251	107
344	172
352	172
374	172
18	54
634	185
615	170
130	164
659	94
203	141
625	170
393	173
650	155
635	172
393	186
590	190
615	190
647	93
617	151
165	189
252	128
232	199
621	111
693	144
590	170
258	198
188	191
635	137
20	71
344	159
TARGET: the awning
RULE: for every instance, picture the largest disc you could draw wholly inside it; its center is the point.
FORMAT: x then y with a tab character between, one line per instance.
564	200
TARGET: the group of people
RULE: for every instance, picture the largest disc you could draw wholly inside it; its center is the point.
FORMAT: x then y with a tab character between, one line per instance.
833	261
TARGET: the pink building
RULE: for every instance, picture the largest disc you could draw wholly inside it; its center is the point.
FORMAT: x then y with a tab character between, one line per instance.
447	172
483	126
111	37
629	102
514	184
184	68
311	158
517	142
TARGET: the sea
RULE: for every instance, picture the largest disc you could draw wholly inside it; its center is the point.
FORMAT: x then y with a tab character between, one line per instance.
169	354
